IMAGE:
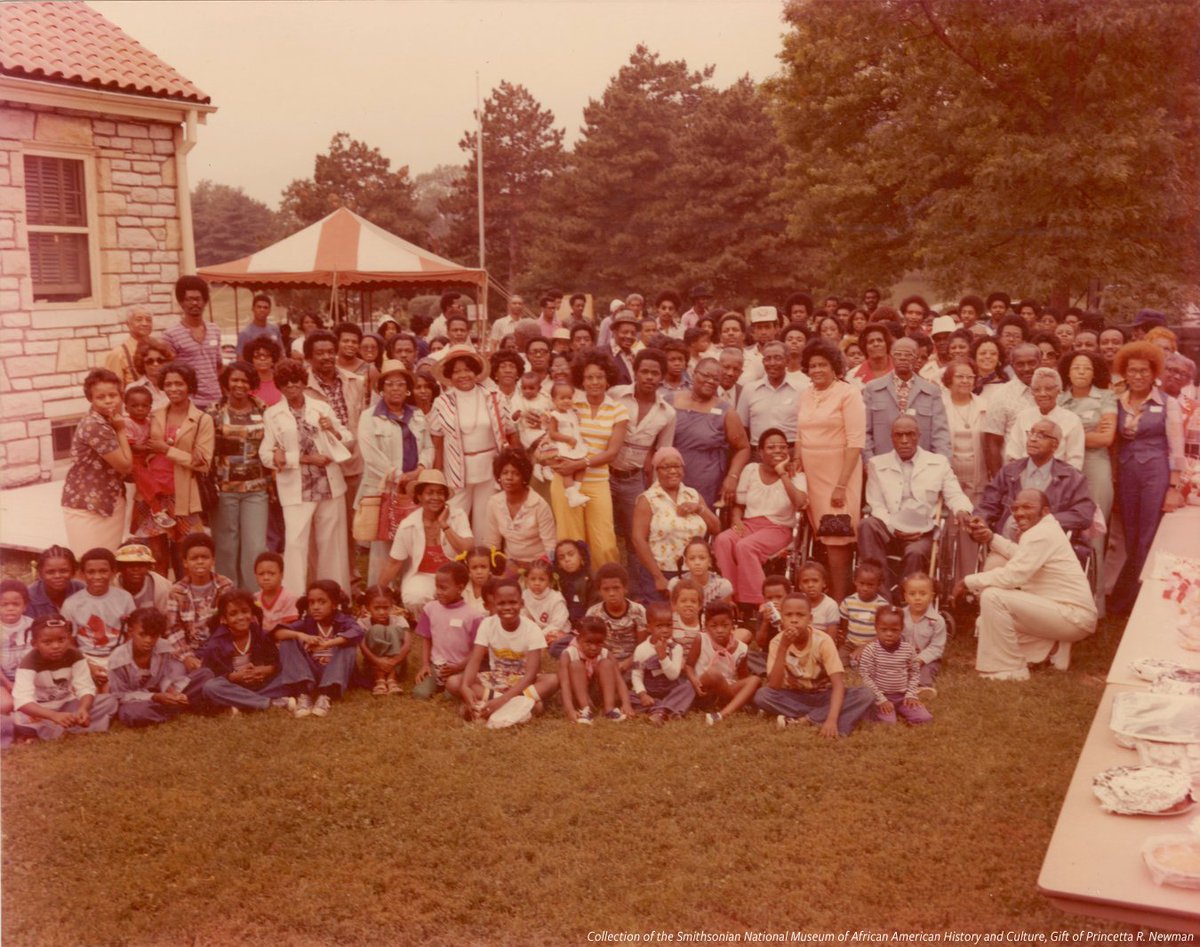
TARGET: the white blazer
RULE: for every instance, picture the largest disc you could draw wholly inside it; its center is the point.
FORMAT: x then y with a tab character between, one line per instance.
409	544
382	444
932	478
281	431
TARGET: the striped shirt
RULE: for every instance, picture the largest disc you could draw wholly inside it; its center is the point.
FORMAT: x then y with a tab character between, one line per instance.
890	672
204	357
859	617
597	431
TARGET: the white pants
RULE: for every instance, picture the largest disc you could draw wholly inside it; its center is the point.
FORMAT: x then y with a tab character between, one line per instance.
323	523
472	500
416	592
1018	628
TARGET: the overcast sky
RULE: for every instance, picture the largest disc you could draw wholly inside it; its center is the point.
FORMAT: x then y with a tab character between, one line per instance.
401	75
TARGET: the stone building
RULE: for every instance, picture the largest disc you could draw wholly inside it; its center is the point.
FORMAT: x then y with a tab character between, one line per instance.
95	212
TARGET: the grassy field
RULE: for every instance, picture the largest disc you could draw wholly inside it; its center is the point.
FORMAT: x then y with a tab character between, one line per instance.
393	822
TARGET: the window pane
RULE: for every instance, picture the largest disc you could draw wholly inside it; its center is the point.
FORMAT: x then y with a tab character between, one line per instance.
59	265
54	192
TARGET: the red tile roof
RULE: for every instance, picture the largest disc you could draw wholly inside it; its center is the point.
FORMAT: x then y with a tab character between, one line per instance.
71	43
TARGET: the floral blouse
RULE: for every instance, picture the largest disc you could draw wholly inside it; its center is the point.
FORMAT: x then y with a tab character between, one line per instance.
670	532
92	484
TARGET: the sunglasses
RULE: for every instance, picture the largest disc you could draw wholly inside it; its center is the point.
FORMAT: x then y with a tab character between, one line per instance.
153	361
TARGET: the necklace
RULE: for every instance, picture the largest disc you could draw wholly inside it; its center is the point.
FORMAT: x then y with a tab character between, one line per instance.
242	650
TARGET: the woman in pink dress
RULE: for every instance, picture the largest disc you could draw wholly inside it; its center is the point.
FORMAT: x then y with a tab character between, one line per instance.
830	431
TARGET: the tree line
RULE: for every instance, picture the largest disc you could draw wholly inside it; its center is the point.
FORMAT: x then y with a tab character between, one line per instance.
1048	146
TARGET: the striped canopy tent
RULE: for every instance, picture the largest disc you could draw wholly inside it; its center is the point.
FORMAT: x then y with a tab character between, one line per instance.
344	251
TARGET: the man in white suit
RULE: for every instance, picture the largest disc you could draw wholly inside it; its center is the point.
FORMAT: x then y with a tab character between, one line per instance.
903	489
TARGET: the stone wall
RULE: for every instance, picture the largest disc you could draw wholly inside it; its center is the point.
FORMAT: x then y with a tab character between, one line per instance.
46	349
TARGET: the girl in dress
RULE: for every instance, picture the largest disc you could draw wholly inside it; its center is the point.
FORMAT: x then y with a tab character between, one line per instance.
562	428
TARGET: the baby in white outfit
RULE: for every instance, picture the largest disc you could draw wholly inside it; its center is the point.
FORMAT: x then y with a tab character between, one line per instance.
562	429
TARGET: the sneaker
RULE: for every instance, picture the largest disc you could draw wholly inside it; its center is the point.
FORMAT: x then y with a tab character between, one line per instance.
303	706
713	719
283	703
616	715
234	712
782	722
323	706
1021	675
926	692
163	520
585	716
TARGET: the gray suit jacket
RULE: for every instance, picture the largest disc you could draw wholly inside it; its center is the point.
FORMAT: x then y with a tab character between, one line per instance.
924	404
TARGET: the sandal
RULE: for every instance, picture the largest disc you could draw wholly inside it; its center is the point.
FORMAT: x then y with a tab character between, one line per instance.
380	689
393	687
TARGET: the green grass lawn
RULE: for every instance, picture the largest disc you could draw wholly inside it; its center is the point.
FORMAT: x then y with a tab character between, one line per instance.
393	822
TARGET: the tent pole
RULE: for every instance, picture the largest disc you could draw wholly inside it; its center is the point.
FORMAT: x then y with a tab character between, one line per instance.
237	318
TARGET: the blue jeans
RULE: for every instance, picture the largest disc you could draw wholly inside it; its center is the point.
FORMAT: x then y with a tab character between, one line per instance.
625	491
241	534
815	706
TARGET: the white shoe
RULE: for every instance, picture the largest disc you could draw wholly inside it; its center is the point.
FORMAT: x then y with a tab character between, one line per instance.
576	498
323	706
284	703
1021	675
304	706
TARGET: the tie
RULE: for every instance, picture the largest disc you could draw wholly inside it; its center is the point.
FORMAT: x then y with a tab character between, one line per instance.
902	394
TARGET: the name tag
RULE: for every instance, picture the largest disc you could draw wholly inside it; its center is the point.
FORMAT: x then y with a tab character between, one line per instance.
455	622
911	411
1156	409
716	410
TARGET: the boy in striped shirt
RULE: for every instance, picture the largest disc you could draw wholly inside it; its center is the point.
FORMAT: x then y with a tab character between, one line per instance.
889	667
858	611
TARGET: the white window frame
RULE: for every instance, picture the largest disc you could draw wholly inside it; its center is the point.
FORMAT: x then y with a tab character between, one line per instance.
87	156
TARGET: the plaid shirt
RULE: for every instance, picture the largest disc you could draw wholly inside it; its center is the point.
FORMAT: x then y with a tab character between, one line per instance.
188	615
335	395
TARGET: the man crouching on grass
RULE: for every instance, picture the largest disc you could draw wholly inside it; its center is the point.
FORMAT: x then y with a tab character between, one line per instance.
805	677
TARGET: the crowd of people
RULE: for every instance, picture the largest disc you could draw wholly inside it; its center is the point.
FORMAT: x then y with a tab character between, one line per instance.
591	507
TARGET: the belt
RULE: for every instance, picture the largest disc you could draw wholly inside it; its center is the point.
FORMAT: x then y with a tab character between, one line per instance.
623	474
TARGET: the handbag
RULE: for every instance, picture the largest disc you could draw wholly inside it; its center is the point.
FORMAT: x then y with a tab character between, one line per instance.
366	519
210	495
395	505
835	524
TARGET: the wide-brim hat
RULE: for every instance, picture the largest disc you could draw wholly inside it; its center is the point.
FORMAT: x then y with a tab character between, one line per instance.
943	324
429	478
393	366
449	355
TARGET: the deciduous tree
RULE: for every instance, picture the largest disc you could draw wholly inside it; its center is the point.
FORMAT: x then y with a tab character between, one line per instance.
1026	144
356	176
229	224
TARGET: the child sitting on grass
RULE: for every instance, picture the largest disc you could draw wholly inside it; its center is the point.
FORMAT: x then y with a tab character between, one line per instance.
687	627
447	629
149	682
720	665
924	628
544	605
588	673
625	620
316	654
573	578
277	604
483	563
857	611
888	666
659	685
774	589
388	640
193	599
14	637
698	566
513	646
812	579
805	677
242	658
54	692
98	612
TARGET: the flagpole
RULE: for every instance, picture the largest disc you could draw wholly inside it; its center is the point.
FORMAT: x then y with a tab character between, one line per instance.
479	191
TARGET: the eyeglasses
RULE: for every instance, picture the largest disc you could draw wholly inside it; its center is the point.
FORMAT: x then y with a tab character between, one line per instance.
153	361
1041	435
